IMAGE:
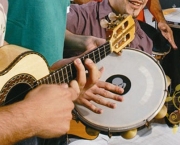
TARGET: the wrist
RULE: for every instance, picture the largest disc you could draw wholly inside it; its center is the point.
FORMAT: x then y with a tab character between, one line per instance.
28	118
22	116
161	21
15	123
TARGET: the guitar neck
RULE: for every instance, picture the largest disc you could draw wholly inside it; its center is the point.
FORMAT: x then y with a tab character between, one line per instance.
68	72
121	36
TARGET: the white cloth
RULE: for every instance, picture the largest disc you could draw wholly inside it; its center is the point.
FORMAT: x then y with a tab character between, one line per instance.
100	140
159	134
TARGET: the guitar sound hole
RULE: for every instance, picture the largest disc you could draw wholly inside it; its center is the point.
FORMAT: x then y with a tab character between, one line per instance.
17	93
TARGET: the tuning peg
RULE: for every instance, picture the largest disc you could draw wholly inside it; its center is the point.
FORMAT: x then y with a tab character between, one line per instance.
104	23
112	16
125	16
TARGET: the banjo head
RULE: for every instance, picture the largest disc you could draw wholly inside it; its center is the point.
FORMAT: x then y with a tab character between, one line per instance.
145	91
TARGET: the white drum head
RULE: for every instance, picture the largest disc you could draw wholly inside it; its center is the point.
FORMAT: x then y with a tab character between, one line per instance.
145	88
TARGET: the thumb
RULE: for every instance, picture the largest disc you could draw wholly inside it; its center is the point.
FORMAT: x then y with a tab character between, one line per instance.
75	89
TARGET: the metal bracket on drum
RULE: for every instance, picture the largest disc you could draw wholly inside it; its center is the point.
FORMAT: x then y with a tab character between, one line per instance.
75	116
148	124
109	133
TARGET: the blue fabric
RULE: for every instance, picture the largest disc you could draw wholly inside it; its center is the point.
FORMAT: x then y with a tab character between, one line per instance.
39	141
38	25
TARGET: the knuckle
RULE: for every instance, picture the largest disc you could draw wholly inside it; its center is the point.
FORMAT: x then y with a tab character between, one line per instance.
104	93
92	107
107	85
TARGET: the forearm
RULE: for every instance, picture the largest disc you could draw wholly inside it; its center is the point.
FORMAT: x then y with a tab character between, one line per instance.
75	45
15	123
155	9
73	41
82	42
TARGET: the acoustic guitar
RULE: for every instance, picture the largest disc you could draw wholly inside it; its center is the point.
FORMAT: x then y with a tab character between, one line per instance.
22	70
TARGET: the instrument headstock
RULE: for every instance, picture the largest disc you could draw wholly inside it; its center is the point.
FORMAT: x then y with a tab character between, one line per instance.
120	30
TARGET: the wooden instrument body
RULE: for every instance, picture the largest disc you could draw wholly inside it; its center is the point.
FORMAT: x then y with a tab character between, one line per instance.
19	67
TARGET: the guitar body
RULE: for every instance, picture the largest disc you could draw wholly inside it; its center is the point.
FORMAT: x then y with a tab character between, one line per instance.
19	69
78	129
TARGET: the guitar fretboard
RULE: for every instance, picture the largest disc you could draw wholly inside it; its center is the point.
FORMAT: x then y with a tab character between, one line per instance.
68	72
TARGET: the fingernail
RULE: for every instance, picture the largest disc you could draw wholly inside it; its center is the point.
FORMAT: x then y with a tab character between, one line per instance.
120	98
65	85
112	105
78	61
89	60
99	111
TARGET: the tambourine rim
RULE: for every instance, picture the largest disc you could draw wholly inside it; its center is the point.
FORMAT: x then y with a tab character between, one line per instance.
140	124
161	53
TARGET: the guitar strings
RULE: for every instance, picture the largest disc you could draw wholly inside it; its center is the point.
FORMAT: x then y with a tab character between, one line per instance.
65	77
